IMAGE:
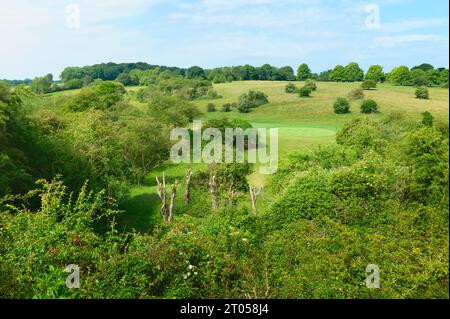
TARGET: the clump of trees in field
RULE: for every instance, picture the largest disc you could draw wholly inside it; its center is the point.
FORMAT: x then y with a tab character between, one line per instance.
250	100
422	75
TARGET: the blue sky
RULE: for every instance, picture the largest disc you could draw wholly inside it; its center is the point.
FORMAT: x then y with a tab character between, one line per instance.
36	38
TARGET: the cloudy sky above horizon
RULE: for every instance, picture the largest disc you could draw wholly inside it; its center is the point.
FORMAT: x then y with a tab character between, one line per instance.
39	37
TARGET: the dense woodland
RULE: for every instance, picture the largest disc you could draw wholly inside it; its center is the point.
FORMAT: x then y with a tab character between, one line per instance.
144	74
67	162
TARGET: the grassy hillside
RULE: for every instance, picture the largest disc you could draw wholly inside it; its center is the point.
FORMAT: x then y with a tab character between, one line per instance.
304	124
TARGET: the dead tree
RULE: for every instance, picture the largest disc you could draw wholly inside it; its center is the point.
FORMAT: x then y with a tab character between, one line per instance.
172	200
213	190
254	196
161	190
187	192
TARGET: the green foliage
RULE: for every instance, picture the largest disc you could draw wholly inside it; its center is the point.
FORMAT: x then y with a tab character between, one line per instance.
368	85
417	77
399	75
360	133
291	88
185	88
101	95
305	91
303	72
312	84
42	84
423	67
375	73
250	100
427	119
234	176
427	152
369	106
172	111
341	106
211	107
353	72
73	84
126	79
212	94
422	93
379	195
306	198
195	72
338	74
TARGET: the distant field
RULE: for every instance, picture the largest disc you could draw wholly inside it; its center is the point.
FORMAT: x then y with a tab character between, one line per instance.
306	122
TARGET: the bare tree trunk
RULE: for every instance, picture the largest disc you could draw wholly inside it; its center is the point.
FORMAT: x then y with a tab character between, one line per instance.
172	200
254	196
161	190
213	191
187	192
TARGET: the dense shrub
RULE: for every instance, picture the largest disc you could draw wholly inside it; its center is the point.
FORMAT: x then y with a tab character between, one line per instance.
341	106
211	107
369	84
290	88
312	84
305	91
369	106
308	197
101	95
427	119
360	133
422	93
250	100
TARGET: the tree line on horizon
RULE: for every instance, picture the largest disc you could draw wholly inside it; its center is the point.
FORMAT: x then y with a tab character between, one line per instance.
142	74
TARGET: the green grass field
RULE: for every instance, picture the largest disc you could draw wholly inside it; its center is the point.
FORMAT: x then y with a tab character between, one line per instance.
303	123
